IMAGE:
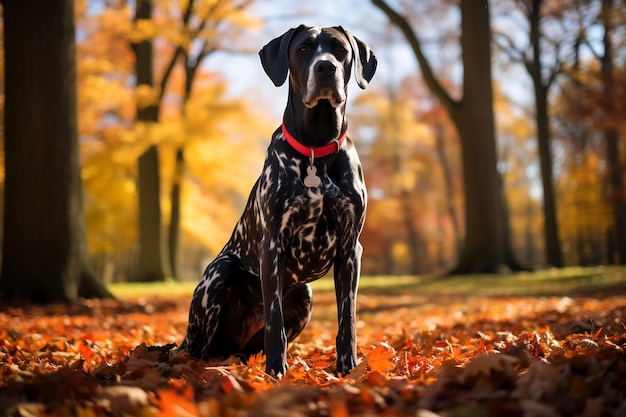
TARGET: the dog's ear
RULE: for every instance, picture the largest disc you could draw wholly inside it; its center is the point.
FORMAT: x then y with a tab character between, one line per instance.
275	56
365	61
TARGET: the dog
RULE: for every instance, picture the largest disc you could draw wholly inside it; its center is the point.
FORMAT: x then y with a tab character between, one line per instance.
304	214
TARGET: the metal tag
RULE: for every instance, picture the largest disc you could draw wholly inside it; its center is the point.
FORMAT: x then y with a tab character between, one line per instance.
311	180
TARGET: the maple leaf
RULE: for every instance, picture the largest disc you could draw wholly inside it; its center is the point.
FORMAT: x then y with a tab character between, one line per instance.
381	358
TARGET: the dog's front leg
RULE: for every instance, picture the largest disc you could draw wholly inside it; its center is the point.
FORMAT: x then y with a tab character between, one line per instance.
347	272
271	284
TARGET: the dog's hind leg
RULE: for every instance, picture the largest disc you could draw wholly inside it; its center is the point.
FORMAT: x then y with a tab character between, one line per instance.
241	318
207	303
297	307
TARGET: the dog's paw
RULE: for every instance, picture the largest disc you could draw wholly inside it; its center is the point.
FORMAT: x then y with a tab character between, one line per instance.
345	363
276	370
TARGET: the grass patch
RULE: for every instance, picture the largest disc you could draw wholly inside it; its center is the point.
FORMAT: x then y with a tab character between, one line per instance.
565	281
168	289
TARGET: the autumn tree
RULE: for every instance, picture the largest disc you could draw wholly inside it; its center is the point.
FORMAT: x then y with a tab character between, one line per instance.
153	264
610	15
106	115
44	248
400	162
520	170
585	210
206	24
223	139
486	247
590	114
194	31
532	55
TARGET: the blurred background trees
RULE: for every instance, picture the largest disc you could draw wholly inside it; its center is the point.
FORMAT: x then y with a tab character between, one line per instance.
177	107
558	94
484	249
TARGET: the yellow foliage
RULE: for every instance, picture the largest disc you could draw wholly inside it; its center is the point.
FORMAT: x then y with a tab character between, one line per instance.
224	19
223	147
146	96
118	20
99	96
80	7
583	205
142	30
110	199
400	250
224	155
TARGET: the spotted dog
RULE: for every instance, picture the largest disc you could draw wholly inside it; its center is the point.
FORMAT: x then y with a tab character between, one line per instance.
304	214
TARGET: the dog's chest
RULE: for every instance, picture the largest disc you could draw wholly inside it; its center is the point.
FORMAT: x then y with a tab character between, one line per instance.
309	222
310	229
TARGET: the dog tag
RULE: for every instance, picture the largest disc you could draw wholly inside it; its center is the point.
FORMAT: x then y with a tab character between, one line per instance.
311	180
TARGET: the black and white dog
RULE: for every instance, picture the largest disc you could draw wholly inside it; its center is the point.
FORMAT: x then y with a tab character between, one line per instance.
304	213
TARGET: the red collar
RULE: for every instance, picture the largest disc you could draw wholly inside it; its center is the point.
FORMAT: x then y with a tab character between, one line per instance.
318	151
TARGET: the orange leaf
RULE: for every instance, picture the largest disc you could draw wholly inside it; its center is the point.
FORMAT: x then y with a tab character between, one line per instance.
173	404
338	409
85	350
257	361
381	358
457	351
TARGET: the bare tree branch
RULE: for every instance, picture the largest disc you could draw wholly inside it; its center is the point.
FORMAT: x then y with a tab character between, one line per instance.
431	81
507	46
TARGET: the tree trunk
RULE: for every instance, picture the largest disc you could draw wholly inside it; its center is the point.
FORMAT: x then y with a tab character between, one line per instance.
191	69
554	255
487	247
174	228
152	265
612	138
483	250
44	248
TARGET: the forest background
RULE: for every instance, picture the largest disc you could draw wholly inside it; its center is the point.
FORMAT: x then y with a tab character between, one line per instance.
208	111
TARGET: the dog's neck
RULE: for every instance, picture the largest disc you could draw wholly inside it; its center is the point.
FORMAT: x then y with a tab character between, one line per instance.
315	126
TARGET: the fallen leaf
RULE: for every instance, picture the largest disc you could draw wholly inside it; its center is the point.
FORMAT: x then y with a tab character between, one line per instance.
122	398
380	359
492	362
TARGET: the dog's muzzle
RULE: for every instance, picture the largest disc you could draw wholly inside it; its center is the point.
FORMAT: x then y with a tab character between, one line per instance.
325	82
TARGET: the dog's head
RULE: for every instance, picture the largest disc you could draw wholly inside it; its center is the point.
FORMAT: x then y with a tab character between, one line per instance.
320	61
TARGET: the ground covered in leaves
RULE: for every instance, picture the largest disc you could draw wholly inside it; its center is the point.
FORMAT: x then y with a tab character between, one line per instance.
420	355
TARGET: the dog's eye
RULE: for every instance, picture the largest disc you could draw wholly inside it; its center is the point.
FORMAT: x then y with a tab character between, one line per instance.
342	49
303	48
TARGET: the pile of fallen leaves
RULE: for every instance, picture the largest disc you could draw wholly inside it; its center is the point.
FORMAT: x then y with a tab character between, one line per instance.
419	356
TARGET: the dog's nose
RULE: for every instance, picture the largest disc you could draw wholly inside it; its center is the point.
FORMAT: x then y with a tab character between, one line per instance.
322	67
